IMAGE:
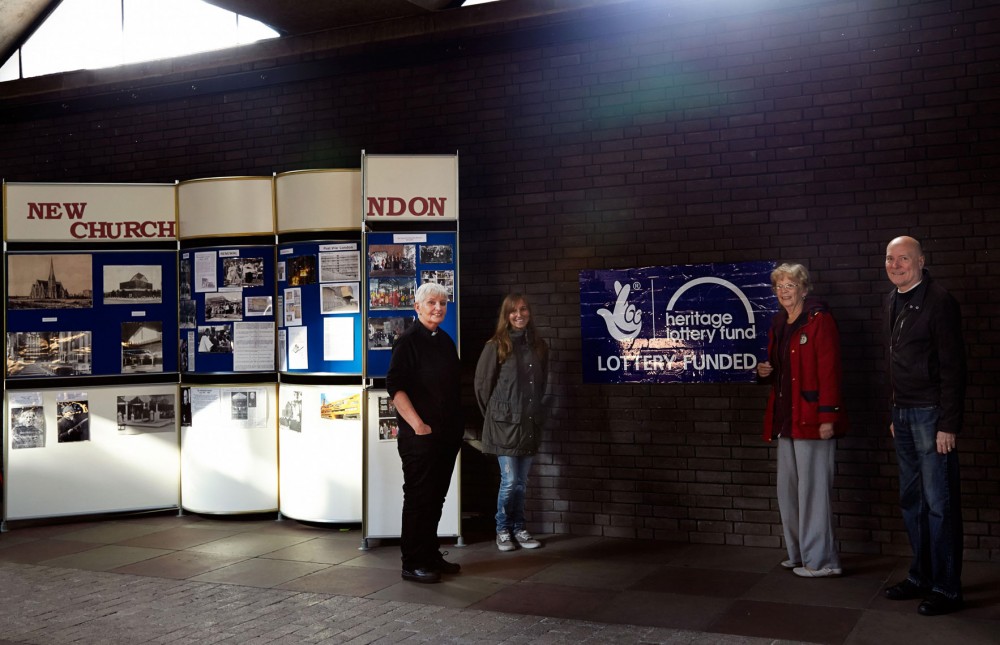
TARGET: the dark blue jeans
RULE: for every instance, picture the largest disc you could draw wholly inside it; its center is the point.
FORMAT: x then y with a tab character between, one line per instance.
930	498
510	499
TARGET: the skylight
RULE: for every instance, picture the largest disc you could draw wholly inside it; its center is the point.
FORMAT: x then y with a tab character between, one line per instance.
92	34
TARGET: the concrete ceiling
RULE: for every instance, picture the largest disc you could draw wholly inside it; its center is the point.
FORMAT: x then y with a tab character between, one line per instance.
19	18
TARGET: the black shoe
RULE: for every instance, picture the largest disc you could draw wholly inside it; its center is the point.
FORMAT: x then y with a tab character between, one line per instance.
905	590
443	566
421	574
937	604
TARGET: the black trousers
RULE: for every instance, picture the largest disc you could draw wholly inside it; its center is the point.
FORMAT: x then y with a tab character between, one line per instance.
428	462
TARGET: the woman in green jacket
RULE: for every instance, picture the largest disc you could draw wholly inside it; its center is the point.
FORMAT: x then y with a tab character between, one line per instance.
510	382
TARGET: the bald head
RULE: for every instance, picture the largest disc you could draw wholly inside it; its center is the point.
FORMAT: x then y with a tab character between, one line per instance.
904	262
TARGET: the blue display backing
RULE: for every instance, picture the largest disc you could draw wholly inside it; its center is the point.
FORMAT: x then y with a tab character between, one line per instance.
104	321
378	359
311	311
222	362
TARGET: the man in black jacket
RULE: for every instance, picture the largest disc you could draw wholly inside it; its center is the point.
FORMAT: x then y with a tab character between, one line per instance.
927	375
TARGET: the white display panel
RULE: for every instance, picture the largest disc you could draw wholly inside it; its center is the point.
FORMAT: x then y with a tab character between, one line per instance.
229	453
225	206
320	438
410	187
126	213
384	480
318	200
113	464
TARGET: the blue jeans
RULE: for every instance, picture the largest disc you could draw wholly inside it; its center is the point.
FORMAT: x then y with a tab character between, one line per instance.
510	499
929	496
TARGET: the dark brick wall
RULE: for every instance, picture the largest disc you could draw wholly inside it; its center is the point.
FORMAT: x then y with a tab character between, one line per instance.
623	135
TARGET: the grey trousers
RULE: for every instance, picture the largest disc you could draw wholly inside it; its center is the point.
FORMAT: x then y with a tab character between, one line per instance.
805	483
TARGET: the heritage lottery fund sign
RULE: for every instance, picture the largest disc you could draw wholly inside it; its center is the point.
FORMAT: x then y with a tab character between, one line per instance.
704	323
89	212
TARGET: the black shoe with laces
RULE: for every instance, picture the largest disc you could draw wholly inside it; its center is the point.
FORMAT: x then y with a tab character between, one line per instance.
905	590
443	566
938	604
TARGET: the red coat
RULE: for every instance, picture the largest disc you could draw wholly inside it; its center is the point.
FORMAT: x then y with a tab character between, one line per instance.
814	358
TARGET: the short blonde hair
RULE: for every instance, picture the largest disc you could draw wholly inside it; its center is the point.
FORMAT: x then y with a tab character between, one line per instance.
796	272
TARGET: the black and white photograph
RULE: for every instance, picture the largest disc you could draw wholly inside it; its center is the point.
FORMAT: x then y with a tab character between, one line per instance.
216	339
243	405
339	409
224	306
444	277
186	416
257	306
52	281
142	347
388	429
383	332
392	260
340	266
391	293
127	285
339	298
27	427
188	313
182	352
437	254
145	413
300	270
291	412
242	272
37	354
184	270
73	419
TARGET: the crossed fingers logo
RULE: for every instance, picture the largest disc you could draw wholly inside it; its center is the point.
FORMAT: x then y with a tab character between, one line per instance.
624	322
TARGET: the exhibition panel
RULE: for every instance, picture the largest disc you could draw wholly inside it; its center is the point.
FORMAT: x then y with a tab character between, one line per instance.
229	448
320	466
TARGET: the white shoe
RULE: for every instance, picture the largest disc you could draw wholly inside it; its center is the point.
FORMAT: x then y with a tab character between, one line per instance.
791	564
525	540
504	541
825	572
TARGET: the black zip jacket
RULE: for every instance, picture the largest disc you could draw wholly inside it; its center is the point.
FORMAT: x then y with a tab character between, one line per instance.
927	353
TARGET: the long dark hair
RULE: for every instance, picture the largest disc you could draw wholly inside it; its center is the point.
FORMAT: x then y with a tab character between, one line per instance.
502	334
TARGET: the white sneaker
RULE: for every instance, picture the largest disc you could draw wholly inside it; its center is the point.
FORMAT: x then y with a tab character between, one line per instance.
525	540
806	572
504	541
791	564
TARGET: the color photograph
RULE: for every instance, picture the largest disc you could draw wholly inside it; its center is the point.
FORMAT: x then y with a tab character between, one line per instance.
39	354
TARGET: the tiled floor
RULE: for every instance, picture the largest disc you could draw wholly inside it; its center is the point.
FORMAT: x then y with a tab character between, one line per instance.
712	589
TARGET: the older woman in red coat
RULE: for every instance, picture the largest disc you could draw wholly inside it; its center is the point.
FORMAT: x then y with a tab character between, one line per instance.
805	414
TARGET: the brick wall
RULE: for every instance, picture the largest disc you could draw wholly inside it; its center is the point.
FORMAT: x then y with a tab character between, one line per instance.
624	135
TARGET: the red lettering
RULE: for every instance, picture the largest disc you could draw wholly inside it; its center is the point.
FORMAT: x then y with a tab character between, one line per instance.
75	210
396	206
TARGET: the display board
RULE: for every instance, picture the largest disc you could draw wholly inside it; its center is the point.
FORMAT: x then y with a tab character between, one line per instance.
396	264
320	447
384	476
227	309
400	188
318	200
225	206
90	450
79	314
229	448
105	213
319	296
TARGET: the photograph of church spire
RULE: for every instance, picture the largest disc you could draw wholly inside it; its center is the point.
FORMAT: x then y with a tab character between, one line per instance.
51	281
126	285
142	347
